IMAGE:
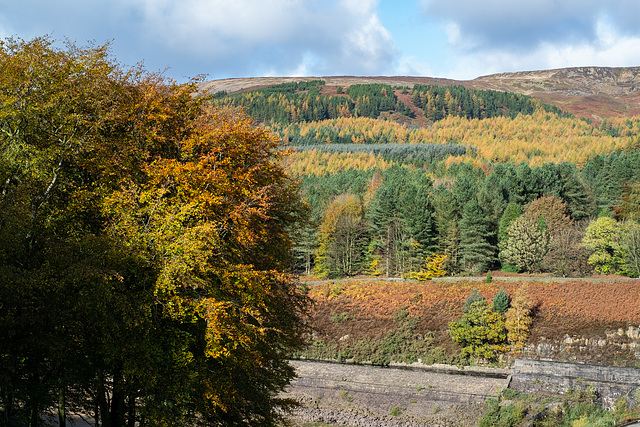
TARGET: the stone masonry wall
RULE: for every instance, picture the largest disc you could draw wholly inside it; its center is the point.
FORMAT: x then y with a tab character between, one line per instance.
610	383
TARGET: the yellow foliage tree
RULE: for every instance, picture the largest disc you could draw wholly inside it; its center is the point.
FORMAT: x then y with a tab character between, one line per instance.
433	267
518	319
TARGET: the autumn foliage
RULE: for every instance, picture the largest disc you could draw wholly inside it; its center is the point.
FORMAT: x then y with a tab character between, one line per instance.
144	246
540	311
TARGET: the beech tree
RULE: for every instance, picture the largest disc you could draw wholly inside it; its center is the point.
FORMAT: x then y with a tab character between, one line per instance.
143	251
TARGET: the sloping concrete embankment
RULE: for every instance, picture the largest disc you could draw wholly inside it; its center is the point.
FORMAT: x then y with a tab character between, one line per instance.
357	395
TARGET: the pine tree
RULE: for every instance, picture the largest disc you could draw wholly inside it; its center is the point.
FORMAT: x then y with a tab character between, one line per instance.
473	297
501	301
417	213
446	222
512	211
476	251
390	239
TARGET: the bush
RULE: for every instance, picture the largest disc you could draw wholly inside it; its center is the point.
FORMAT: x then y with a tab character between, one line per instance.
503	416
472	298
480	332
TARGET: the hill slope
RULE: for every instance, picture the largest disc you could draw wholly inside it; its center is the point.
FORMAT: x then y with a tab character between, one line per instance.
595	93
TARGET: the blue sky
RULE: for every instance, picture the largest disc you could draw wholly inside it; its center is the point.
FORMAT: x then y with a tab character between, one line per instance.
460	39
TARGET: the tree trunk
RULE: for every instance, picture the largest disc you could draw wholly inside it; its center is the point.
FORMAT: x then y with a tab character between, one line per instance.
62	418
101	402
131	411
117	401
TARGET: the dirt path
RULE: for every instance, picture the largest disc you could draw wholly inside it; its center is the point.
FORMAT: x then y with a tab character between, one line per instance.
479	279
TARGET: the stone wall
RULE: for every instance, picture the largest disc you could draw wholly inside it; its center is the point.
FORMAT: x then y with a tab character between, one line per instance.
610	383
604	348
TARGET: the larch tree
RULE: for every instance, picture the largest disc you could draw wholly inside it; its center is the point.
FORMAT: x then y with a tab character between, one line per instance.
143	248
519	320
342	238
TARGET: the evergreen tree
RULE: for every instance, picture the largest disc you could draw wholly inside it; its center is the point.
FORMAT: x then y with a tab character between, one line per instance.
417	213
501	301
390	238
446	222
476	251
473	297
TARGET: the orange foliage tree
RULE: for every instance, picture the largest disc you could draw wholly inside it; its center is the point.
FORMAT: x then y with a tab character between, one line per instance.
144	248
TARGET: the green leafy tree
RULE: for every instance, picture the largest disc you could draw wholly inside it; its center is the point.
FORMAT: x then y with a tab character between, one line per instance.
602	239
143	248
526	244
480	332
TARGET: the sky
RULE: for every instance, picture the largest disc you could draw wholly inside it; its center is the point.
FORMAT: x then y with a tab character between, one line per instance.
458	39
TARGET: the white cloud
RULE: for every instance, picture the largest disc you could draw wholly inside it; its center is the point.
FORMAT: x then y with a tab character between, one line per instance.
221	38
273	35
412	66
512	24
609	48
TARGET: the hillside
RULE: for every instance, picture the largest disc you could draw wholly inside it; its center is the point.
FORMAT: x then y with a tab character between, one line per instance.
595	93
394	174
593	321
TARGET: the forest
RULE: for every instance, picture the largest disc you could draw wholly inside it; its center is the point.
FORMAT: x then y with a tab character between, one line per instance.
493	181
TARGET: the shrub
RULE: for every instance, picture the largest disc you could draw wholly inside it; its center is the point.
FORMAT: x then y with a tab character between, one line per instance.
481	331
472	298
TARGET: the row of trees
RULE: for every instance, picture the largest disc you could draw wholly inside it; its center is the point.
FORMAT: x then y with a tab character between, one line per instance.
438	102
293	102
517	218
536	139
142	249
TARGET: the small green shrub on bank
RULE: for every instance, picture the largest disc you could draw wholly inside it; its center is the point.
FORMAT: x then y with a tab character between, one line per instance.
576	408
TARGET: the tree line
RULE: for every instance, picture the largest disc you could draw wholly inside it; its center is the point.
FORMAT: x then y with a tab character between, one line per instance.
438	102
518	218
294	102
